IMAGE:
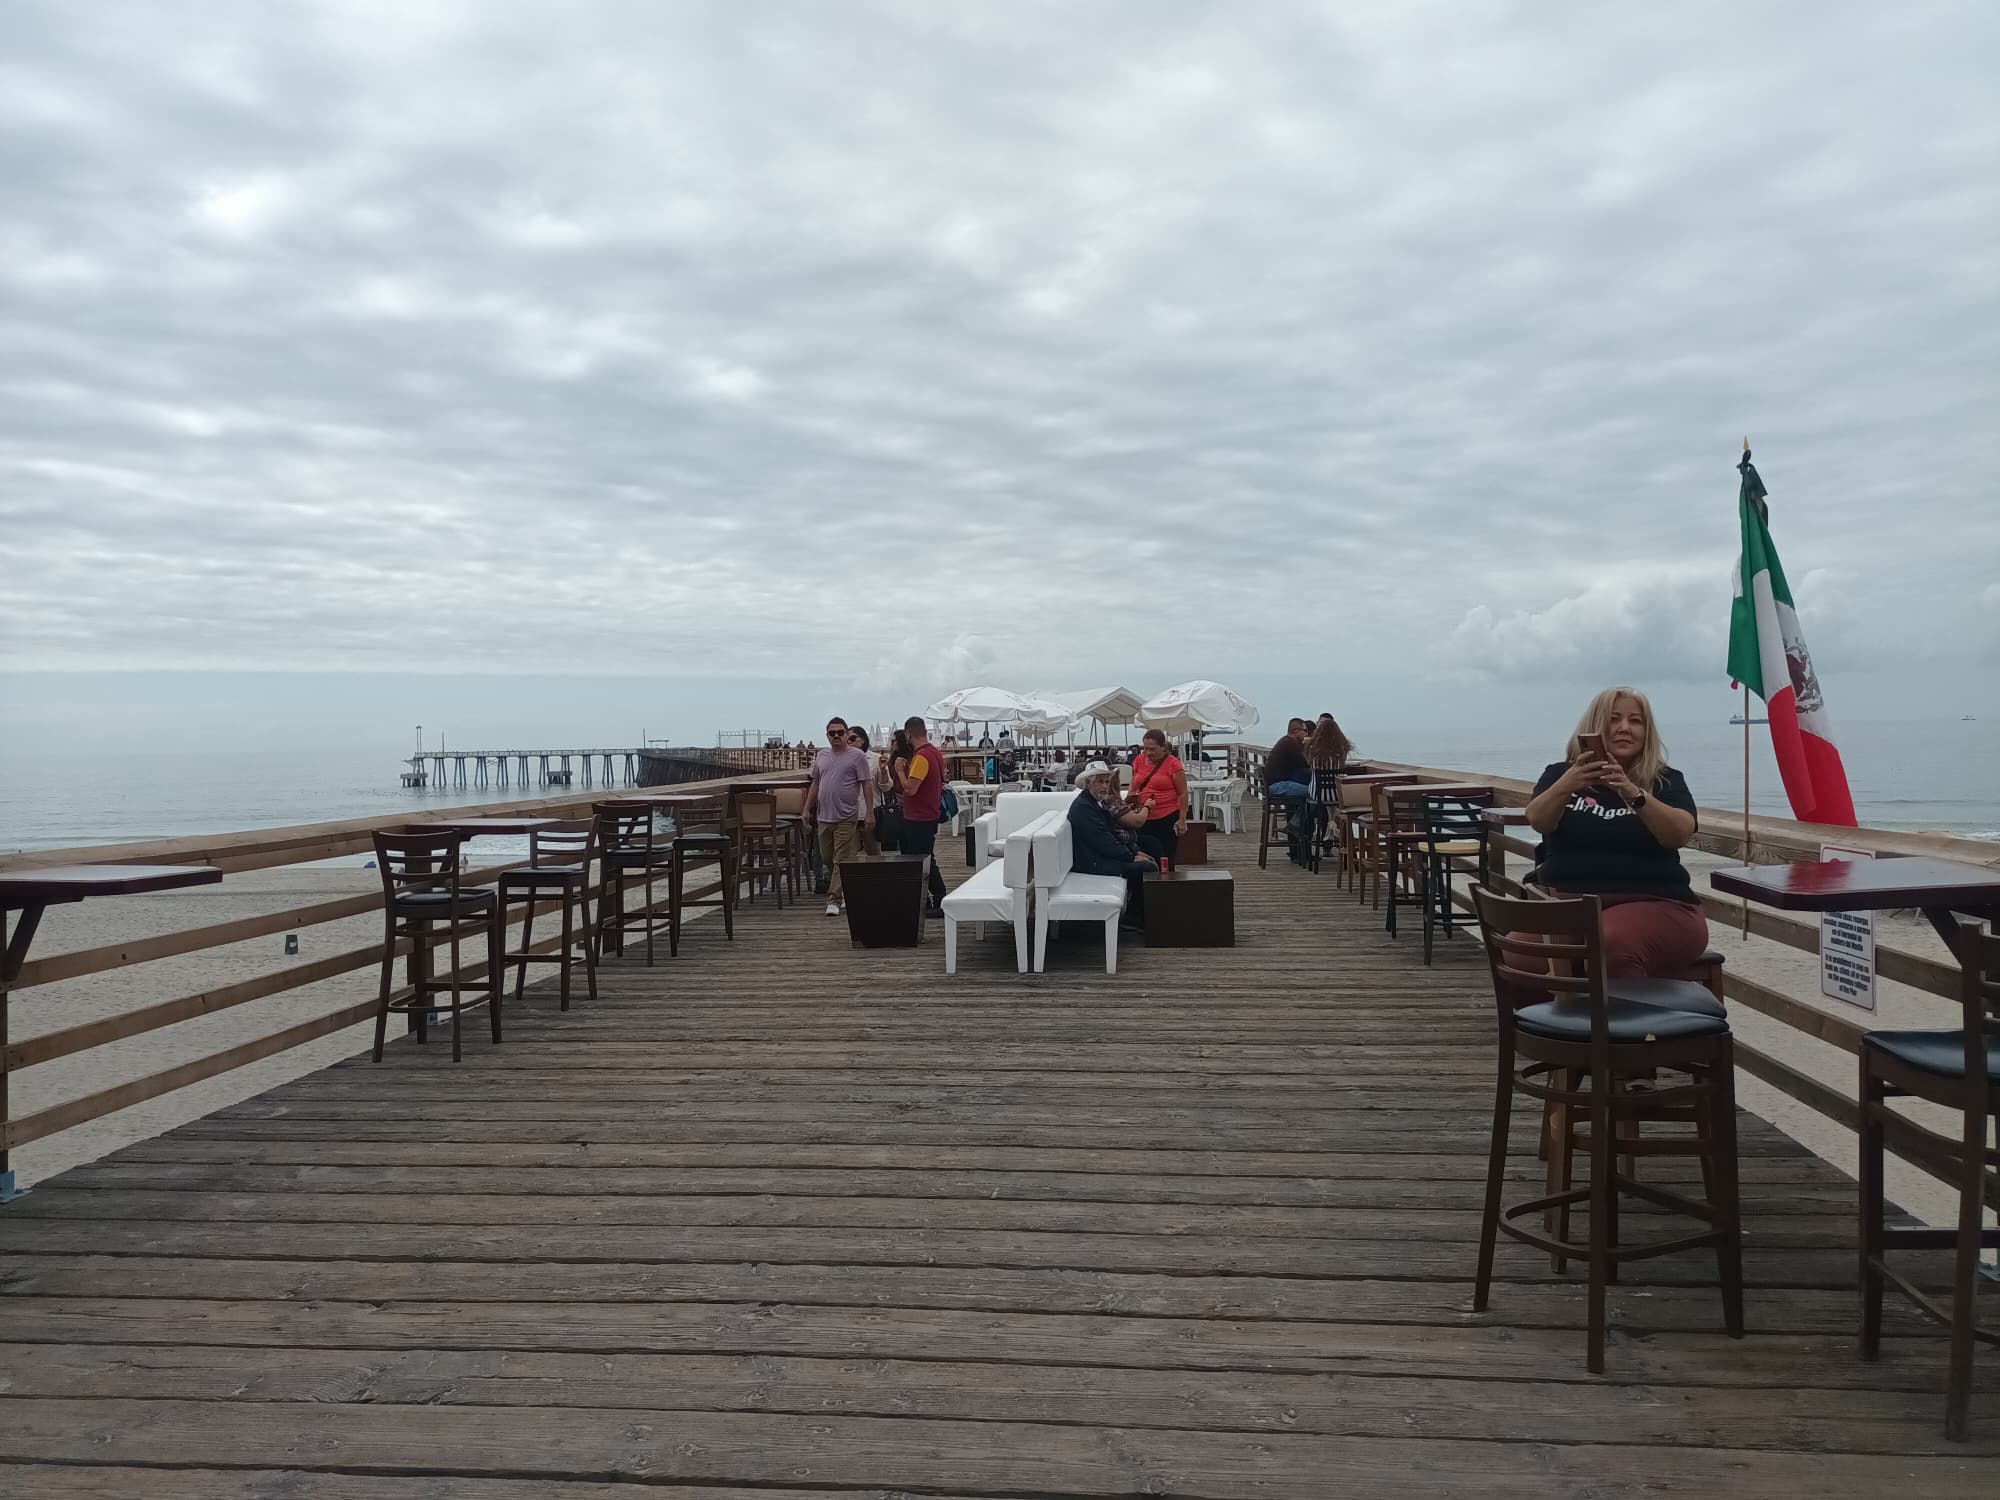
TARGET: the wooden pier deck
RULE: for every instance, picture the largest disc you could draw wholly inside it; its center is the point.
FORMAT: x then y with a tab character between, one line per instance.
781	1219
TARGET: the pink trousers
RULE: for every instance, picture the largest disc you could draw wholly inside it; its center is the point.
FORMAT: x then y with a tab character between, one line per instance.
1650	938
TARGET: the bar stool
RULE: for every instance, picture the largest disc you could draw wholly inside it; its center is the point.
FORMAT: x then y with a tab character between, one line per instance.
1325	807
559	858
1959	1070
420	886
626	849
1276	831
695	851
802	853
1559	1027
1426	835
763	845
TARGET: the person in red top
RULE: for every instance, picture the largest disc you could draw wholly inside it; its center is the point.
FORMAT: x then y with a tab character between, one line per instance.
921	781
1159	789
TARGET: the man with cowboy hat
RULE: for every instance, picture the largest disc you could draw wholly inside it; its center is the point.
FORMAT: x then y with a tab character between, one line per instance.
1103	839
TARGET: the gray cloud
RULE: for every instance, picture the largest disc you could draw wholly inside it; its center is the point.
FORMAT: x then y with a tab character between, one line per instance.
896	341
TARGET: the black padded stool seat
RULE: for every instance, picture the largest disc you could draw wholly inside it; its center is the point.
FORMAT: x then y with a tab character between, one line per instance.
1668	994
544	875
469	899
1941	1053
1568	1021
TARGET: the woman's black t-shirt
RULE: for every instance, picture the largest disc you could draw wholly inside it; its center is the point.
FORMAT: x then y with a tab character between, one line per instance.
1601	848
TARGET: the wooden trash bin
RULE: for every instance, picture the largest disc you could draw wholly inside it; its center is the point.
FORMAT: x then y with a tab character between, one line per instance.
884	895
1193	845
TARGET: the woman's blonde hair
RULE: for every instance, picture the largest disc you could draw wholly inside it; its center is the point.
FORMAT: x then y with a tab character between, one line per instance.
1652	758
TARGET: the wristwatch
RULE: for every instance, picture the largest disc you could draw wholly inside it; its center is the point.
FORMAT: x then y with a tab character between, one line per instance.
1638	802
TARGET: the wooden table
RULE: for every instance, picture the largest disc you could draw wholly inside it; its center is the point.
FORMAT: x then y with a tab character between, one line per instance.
1191	909
1940	888
1505	817
884	896
31	892
474	828
1418	790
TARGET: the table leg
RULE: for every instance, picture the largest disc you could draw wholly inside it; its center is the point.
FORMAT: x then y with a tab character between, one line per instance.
15	949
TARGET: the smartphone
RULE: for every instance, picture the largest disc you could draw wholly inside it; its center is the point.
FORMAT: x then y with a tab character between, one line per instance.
1591	747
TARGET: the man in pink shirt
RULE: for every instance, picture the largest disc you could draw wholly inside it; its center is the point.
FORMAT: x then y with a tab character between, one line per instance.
841	796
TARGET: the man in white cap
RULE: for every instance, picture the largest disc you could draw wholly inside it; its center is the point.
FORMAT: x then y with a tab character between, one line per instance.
1104	837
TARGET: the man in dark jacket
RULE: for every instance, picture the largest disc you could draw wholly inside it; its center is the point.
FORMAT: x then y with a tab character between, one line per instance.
1103	840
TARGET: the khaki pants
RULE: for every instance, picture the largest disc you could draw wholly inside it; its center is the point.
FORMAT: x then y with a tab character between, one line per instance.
838	841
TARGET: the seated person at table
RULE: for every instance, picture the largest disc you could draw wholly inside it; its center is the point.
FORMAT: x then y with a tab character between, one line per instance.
1104	837
1288	773
1612	826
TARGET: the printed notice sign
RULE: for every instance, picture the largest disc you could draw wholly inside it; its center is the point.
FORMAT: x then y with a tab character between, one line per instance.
1847	945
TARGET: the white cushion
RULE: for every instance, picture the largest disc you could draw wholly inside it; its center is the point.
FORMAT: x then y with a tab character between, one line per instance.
983	898
1013	811
1086	898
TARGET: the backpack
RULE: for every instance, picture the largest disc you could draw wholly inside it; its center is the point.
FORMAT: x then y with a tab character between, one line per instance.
948	804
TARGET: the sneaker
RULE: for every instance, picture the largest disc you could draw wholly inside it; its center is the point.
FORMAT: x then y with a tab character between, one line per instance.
935	912
833	908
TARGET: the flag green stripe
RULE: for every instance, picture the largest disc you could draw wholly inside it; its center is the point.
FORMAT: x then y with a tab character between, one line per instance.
1758	556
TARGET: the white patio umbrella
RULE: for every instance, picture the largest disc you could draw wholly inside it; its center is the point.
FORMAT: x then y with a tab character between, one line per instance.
1189	706
1102	706
995	705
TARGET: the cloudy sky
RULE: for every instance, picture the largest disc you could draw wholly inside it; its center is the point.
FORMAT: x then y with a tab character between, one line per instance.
902	345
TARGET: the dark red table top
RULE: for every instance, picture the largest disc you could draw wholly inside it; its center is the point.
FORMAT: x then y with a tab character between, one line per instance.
472	828
1864	884
1506	817
56	883
1435	789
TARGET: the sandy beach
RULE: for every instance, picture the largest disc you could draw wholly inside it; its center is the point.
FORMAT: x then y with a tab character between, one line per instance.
50	1007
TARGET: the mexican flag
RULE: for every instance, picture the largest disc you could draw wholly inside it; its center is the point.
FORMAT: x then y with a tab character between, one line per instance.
1767	654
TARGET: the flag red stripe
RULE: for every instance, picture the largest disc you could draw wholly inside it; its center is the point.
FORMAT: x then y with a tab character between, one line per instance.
1815	777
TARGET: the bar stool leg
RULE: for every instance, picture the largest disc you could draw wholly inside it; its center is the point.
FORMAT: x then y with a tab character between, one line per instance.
1496	1173
727	865
457	999
648	916
388	979
420	978
1725	1198
1871	1212
568	937
527	942
676	888
1603	1196
590	943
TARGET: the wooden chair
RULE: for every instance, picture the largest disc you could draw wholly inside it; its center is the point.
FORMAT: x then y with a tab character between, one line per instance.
629	852
1428	834
559	860
801	849
1560	1031
419	887
1325	828
1960	1071
697	850
1371	851
763	845
1275	831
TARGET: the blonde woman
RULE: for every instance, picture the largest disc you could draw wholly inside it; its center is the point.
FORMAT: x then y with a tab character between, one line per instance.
1613	818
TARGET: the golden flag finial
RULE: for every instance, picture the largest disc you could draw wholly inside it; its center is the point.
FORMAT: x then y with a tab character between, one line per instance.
1746	445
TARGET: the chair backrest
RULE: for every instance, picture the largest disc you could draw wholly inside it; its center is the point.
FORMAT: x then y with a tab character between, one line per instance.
1326	786
572	842
1454	818
1543	950
1016	810
1017	853
1980	996
1054	852
756	810
790	799
1400	806
413	862
622	827
1359	796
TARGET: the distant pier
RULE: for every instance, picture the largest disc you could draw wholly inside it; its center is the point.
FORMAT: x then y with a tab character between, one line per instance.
639	766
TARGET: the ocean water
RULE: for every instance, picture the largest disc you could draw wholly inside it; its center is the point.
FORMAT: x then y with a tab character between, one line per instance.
1942	775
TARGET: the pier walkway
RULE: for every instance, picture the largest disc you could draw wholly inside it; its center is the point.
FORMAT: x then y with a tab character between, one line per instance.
781	1219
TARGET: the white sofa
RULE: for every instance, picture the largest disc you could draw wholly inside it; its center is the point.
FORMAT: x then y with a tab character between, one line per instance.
1012	811
997	892
1063	895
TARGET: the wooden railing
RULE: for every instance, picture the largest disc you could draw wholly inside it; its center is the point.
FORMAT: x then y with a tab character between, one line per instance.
234	853
1770	841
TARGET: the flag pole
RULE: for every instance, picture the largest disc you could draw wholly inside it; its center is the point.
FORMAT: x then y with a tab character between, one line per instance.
1746	756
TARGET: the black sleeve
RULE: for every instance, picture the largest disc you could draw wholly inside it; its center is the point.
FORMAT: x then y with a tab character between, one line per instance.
1551	773
1672	789
1091	835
